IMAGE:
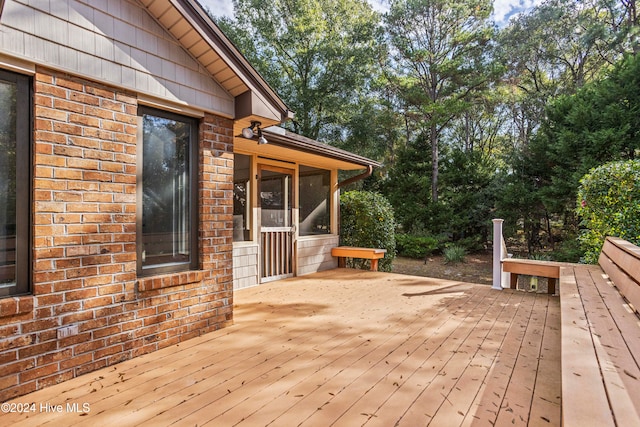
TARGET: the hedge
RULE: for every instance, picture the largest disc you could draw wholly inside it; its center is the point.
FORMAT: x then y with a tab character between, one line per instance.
609	205
367	220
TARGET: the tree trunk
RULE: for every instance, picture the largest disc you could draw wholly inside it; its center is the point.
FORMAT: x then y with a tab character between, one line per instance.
549	229
434	163
468	144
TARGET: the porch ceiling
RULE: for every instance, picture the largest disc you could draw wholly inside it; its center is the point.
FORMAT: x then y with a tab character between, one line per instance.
342	347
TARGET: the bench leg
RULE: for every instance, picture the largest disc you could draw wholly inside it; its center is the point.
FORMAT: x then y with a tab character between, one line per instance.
342	262
551	286
374	264
514	280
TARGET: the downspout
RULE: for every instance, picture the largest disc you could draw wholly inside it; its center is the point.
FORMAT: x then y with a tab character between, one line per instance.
363	175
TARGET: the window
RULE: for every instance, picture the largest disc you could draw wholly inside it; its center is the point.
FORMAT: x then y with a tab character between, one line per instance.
167	231
241	198
315	201
15	179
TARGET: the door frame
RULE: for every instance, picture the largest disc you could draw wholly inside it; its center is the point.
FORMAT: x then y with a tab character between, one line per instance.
279	237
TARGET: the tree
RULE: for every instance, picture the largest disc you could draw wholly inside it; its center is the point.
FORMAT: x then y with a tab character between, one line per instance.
469	194
557	48
377	130
600	123
622	22
440	55
318	55
551	53
480	128
408	187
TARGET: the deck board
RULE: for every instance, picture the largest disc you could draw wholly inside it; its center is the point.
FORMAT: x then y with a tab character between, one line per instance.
419	370
464	393
620	371
521	387
404	365
344	348
457	357
546	409
582	379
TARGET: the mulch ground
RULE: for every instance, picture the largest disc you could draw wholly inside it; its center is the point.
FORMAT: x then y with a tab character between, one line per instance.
477	268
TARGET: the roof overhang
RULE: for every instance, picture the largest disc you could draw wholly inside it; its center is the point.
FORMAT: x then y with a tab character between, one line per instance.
255	100
189	23
288	146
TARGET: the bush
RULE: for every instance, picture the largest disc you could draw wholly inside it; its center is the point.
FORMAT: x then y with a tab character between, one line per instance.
568	251
367	220
415	246
472	244
454	254
608	204
540	257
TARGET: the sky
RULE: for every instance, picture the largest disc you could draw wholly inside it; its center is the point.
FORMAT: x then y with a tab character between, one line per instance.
503	9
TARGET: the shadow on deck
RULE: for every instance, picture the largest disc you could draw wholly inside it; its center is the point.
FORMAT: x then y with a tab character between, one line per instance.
341	347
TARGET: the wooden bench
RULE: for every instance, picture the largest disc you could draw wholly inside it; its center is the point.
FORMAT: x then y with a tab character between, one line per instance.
548	269
600	338
344	252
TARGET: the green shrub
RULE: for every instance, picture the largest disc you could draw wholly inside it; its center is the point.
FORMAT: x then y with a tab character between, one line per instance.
568	251
540	257
472	244
454	254
415	246
609	205
367	220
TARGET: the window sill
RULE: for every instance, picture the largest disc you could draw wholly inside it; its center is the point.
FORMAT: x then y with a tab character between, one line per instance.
169	280
14	306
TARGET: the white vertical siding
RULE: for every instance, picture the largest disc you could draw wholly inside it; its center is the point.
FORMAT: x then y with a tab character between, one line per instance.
114	41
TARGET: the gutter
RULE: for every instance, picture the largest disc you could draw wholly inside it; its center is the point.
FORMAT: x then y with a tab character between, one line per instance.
363	175
286	139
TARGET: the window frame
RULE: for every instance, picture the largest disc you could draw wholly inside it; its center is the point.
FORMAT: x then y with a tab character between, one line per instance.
194	145
247	230
24	141
305	170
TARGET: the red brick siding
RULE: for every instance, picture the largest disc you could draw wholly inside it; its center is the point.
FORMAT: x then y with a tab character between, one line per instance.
84	234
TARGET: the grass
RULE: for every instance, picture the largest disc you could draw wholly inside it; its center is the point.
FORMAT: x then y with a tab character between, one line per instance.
454	254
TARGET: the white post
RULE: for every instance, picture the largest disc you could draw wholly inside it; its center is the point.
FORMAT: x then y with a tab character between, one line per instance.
497	254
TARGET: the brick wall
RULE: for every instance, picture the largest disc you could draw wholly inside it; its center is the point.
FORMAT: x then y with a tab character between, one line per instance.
84	233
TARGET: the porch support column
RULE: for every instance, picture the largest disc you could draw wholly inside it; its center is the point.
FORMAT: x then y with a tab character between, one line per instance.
497	254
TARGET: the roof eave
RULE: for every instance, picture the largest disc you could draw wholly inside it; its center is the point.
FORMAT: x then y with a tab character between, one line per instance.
300	143
227	51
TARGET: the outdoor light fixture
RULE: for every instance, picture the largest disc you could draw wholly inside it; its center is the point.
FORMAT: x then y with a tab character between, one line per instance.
250	132
261	139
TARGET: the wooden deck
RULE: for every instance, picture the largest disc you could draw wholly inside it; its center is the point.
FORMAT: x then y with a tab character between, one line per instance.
341	348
